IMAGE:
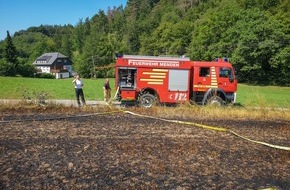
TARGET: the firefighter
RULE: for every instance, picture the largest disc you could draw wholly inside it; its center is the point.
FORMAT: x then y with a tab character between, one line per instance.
79	90
107	90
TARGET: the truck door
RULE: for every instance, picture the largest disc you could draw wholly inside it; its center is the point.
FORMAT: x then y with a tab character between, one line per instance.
202	78
226	80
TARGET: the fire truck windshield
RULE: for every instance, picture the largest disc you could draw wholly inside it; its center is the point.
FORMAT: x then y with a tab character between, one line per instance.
226	72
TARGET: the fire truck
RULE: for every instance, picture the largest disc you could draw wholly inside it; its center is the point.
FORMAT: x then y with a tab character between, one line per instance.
151	80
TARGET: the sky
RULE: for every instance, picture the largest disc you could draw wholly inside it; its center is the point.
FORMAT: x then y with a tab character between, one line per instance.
18	15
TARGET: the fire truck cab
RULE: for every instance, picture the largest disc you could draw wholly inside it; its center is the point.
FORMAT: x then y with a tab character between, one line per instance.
149	80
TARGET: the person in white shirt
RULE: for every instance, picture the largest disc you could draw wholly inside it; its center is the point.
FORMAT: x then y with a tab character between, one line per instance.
79	90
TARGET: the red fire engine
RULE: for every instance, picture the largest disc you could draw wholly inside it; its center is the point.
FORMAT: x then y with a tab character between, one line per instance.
151	79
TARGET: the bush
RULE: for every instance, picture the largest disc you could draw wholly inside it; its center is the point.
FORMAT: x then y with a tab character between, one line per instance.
110	73
35	97
7	69
26	70
106	73
45	75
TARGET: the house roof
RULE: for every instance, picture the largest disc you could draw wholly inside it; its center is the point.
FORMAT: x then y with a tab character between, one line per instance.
48	58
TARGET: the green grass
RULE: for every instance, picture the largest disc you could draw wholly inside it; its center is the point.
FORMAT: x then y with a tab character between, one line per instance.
263	96
15	88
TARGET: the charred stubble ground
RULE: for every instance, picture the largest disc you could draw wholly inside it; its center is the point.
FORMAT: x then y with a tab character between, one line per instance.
120	151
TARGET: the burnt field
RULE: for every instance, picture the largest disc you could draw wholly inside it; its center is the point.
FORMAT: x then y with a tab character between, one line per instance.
43	149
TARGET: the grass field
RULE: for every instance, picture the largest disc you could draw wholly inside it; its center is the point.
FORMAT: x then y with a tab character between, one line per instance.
19	88
263	96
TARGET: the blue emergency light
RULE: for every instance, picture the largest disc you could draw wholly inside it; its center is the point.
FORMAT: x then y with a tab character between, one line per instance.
119	55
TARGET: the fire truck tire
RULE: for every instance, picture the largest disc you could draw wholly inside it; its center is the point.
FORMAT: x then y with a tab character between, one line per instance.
215	101
147	100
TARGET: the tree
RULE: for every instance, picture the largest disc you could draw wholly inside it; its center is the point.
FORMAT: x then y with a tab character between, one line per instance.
10	51
79	36
66	46
260	52
9	68
100	23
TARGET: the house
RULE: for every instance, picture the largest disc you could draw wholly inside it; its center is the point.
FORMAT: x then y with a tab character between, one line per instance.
55	63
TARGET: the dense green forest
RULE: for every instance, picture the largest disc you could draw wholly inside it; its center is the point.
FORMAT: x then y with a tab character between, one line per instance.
253	34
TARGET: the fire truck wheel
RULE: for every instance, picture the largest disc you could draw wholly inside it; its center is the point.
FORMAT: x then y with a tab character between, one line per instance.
215	101
147	100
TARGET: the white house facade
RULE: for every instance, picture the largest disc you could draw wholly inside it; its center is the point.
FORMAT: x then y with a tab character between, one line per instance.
55	63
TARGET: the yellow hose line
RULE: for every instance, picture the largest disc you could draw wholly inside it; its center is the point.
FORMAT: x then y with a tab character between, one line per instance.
213	128
181	122
260	142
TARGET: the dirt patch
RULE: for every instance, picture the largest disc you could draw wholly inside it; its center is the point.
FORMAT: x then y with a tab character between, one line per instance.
121	151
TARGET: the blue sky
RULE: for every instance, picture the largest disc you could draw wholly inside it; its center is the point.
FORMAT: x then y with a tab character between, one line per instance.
18	15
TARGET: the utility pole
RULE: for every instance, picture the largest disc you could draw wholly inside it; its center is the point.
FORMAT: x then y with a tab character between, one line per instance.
94	71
